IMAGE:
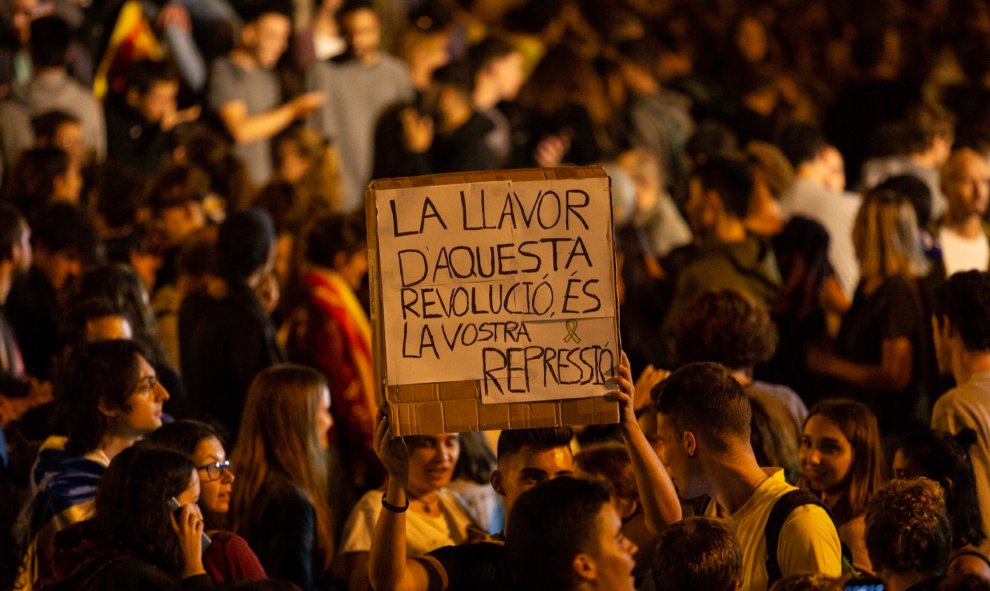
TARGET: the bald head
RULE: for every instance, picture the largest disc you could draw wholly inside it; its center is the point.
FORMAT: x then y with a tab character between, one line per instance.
966	184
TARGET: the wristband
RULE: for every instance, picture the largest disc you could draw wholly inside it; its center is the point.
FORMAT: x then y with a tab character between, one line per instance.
394	508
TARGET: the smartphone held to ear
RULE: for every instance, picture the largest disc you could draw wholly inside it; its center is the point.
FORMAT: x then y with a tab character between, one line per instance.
177	514
864	584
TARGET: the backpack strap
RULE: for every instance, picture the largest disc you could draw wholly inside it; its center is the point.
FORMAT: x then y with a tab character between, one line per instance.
781	510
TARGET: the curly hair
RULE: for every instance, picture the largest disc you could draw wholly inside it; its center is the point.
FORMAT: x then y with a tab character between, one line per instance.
808	582
944	458
725	327
611	462
907	527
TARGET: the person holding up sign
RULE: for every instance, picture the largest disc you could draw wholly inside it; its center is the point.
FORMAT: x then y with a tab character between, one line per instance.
526	458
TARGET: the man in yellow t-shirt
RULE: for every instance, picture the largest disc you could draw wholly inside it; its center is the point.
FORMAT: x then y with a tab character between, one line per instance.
703	418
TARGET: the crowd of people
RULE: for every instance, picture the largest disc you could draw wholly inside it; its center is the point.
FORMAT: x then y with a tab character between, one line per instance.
799	195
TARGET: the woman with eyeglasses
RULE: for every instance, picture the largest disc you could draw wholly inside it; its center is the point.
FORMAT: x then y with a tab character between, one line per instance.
229	558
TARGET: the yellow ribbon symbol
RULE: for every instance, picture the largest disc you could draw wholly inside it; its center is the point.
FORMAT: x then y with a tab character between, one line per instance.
571	326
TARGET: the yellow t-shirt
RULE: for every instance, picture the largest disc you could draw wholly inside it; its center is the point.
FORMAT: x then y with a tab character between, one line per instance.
808	540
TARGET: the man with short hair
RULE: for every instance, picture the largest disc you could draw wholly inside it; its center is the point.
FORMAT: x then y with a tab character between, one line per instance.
566	536
810	196
459	143
139	127
926	135
359	85
703	423
58	129
64	241
726	255
245	92
697	553
962	237
498	76
176	199
226	341
961	310
50	88
15	260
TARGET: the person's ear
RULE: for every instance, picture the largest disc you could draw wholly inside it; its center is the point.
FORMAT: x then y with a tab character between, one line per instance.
249	34
132	97
106	410
497	484
690	443
584	567
948	328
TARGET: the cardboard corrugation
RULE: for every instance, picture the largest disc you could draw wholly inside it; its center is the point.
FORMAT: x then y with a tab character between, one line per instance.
450	407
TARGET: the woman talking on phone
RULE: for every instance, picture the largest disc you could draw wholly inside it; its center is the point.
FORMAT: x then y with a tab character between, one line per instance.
147	533
229	558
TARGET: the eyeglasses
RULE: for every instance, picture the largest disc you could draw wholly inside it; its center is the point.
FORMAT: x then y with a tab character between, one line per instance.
215	470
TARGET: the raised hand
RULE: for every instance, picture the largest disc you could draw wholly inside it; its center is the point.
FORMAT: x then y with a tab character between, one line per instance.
391	451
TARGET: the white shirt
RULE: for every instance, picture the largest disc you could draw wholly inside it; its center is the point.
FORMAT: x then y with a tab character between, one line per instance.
963	254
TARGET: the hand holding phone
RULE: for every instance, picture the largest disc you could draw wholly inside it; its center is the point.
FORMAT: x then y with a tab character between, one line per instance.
178	514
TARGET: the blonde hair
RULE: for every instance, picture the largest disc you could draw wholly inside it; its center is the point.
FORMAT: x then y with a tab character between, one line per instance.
886	238
278	435
319	189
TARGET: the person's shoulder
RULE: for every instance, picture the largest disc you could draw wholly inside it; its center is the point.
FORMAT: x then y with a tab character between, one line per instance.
227	542
967	394
370	502
281	486
392	63
224	65
133	573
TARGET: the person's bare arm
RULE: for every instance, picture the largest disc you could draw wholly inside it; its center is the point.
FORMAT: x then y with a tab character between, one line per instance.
246	128
388	568
892	374
657	494
356	567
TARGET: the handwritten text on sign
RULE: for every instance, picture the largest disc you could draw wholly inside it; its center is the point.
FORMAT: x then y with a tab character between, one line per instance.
510	283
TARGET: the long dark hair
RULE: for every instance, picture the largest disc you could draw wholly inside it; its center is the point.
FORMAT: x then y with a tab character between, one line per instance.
278	435
866	475
132	503
944	458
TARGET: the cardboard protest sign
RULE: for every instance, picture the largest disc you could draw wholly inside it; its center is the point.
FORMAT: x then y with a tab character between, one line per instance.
493	298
